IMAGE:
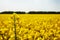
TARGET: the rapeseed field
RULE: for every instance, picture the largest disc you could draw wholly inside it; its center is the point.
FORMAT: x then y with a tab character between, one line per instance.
38	26
6	27
29	26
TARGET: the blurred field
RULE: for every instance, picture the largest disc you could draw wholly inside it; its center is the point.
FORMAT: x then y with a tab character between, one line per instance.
30	26
38	26
6	27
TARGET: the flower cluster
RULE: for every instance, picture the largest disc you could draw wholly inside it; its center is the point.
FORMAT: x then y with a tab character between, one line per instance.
6	27
38	27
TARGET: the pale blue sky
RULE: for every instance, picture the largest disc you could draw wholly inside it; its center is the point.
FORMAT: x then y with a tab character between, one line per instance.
29	5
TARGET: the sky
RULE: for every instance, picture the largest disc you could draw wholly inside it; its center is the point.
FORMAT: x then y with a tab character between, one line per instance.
29	5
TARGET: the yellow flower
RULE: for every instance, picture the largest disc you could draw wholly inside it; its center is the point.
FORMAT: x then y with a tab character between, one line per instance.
55	38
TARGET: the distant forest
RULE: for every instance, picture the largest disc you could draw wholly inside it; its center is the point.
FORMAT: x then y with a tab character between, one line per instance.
31	12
